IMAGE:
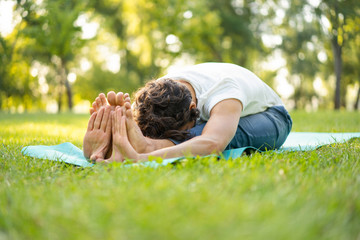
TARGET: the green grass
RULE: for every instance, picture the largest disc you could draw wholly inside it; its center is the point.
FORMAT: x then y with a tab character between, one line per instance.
294	195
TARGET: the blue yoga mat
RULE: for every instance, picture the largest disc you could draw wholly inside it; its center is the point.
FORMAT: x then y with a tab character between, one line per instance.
296	141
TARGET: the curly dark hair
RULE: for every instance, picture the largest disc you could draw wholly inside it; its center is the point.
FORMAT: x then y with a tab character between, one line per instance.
161	108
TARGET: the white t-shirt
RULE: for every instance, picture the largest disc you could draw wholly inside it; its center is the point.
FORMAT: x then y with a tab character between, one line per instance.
214	82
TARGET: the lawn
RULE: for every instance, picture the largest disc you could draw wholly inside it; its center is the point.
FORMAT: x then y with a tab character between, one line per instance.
292	195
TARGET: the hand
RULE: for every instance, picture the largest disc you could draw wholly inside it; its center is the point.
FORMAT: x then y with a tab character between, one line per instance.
140	143
121	142
112	100
98	135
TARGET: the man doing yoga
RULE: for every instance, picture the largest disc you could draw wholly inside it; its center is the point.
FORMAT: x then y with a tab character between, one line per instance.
199	110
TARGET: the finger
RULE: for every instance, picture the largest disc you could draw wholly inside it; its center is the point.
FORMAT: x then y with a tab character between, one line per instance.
113	123
123	127
103	99
123	109
105	118
117	119
93	158
119	99
111	97
99	118
99	160
128	114
98	103
91	121
108	124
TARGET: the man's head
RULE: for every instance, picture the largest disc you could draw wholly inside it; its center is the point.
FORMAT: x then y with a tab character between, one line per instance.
164	108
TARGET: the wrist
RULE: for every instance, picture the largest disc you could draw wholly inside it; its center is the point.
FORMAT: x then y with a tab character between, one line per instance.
142	157
149	146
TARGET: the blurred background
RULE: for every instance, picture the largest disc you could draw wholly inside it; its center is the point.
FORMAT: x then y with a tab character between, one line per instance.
57	55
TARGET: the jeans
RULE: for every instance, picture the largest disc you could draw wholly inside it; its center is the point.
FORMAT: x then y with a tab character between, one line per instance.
266	130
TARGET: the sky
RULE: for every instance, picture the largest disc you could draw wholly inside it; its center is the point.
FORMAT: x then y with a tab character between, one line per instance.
6	17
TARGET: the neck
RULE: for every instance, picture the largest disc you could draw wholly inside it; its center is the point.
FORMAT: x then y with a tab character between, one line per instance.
191	89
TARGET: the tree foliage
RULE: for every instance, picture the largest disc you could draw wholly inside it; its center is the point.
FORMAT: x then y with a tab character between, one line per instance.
55	40
138	40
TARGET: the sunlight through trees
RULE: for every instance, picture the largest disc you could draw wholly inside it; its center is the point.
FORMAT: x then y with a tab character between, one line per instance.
64	52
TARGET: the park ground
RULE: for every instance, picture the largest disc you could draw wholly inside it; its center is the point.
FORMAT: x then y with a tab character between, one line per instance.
290	195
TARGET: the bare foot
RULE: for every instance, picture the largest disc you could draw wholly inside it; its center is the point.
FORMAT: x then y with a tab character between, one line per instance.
113	99
98	135
99	102
120	99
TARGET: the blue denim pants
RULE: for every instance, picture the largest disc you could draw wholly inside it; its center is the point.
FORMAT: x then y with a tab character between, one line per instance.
266	130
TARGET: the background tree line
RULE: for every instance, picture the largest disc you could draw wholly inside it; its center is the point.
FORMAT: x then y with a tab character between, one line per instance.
66	51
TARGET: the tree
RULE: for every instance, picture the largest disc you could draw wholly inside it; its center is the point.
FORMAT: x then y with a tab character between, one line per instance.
55	37
338	14
6	56
352	57
153	34
16	83
300	47
242	25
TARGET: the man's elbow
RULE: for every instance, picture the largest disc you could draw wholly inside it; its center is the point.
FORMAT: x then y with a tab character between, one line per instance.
215	146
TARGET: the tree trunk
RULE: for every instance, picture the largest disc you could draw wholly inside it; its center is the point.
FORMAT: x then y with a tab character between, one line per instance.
337	50
66	84
69	94
356	105
59	99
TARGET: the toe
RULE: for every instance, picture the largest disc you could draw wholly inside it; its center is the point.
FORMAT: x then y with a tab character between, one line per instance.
120	99
127	105
111	97
103	100
94	106
98	103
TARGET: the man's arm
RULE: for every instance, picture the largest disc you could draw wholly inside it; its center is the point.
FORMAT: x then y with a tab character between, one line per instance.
216	135
156	144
